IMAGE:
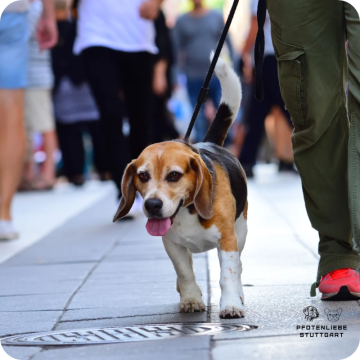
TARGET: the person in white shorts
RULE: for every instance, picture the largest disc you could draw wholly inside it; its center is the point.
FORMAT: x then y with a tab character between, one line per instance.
39	112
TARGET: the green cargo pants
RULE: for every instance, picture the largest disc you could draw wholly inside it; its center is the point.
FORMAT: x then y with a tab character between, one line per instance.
309	38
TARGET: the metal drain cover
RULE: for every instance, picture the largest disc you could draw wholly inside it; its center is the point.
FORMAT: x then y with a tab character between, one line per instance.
121	334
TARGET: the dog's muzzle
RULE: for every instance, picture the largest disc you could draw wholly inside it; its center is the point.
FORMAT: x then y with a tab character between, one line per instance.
158	226
153	206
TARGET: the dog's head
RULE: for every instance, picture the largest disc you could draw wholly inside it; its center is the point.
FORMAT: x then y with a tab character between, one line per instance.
168	175
333	315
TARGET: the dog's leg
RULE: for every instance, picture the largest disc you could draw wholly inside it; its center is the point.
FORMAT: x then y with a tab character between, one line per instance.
241	291
230	302
229	250
191	265
241	232
190	293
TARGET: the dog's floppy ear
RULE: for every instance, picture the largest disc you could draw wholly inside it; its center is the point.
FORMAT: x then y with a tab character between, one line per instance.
327	312
203	196
339	310
128	191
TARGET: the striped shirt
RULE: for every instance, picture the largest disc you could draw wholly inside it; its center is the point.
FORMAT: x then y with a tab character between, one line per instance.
40	74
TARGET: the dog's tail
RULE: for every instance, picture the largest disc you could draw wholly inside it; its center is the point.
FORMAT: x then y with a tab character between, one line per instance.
229	104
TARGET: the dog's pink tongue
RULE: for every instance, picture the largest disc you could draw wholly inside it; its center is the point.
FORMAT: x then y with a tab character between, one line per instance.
158	227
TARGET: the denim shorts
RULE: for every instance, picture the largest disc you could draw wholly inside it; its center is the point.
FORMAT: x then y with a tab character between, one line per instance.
14	53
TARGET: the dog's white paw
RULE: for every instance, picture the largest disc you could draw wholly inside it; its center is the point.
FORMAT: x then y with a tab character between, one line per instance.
188	305
231	307
232	312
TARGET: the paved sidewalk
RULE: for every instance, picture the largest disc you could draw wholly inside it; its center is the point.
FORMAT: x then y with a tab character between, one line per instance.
91	273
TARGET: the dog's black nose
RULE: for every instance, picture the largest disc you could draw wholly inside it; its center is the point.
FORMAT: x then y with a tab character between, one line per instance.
153	206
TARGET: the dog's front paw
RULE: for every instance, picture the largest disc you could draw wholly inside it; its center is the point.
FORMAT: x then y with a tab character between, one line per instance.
231	307
191	305
232	312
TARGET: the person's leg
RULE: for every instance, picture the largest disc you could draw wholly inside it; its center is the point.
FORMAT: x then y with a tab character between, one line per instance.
48	167
254	124
72	148
283	131
309	41
100	159
136	73
28	168
158	120
353	35
13	70
282	124
39	116
12	147
102	67
47	128
201	125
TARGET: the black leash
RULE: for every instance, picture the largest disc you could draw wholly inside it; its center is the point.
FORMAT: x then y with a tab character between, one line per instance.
259	50
205	88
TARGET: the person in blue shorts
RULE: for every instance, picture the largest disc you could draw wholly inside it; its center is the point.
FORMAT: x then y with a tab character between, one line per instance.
14	40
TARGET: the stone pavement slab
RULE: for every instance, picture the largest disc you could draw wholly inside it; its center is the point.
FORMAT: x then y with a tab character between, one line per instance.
50	209
12	323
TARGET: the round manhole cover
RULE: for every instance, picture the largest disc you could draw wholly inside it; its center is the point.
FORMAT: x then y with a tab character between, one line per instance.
121	334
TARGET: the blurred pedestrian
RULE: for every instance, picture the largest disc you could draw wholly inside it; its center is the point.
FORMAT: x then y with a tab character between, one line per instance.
39	112
309	40
197	34
163	120
75	108
14	43
257	112
117	43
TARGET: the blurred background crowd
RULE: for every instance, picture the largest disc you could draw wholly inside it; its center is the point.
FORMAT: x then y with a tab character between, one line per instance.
116	76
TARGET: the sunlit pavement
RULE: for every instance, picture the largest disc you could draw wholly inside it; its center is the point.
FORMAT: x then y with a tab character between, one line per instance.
73	269
36	214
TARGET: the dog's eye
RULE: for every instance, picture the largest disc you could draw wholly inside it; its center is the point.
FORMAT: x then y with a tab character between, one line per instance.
174	176
143	177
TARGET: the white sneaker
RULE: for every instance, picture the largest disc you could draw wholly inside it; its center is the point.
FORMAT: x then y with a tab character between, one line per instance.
7	230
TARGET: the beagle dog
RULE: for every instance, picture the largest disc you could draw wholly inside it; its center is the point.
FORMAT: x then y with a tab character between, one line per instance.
195	197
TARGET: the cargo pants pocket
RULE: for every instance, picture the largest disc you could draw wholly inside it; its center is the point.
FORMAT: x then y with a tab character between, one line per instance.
291	67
